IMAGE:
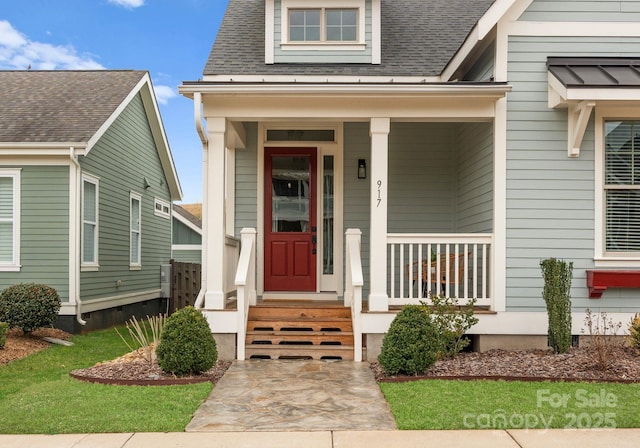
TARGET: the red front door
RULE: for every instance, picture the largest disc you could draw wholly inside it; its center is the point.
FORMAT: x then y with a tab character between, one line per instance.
290	219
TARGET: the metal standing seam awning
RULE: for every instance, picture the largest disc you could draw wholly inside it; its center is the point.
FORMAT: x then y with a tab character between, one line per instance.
578	83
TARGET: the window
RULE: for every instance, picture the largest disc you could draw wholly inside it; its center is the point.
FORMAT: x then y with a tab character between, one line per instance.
161	208
89	221
323	25
622	186
10	220
135	229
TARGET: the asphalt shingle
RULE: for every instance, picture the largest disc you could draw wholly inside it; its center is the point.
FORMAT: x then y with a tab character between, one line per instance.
60	106
419	37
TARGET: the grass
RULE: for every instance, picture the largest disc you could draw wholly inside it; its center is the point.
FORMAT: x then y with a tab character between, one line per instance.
37	395
442	404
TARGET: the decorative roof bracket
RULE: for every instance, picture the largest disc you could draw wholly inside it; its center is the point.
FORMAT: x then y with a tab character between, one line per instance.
578	119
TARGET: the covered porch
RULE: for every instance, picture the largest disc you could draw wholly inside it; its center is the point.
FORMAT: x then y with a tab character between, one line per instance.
421	220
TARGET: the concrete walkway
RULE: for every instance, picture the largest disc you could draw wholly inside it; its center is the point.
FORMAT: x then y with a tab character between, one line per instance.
521	438
261	395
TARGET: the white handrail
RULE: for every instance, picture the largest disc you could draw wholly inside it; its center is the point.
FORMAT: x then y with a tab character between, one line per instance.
245	282
354	281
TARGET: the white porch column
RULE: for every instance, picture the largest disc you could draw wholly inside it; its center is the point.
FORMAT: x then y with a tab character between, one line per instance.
379	130
215	214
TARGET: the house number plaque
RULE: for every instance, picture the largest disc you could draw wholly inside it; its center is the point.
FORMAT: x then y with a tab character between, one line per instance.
379	193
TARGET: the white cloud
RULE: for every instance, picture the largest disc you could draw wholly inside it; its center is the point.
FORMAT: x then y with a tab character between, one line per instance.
164	94
18	52
128	3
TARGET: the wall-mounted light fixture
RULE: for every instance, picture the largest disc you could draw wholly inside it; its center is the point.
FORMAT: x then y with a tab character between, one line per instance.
362	169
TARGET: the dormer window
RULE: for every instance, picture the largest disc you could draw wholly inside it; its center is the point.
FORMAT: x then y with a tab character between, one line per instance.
323	25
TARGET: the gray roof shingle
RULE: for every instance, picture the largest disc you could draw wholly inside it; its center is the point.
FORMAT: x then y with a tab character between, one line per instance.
60	106
419	37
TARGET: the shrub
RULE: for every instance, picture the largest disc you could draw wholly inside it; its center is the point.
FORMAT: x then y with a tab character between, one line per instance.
4	327
603	342
186	345
145	340
452	322
411	345
634	331
29	306
557	276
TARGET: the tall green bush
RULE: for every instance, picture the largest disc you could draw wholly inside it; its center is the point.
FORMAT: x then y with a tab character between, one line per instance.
186	345
411	345
4	327
557	275
29	306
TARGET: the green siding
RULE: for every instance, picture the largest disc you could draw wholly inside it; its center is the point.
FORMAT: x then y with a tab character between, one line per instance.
183	234
188	256
319	56
482	70
122	159
44	236
583	11
247	181
550	197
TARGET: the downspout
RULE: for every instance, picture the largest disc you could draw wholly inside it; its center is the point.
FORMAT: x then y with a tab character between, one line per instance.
76	254
202	133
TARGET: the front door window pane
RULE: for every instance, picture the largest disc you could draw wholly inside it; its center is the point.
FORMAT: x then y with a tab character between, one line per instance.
290	193
327	213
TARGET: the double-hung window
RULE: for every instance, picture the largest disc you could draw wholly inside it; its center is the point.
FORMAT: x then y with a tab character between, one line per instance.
10	220
622	187
89	221
334	25
135	227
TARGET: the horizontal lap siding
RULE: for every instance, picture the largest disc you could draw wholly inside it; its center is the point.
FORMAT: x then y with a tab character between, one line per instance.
583	10
122	159
187	256
474	201
44	235
246	182
185	235
482	70
550	197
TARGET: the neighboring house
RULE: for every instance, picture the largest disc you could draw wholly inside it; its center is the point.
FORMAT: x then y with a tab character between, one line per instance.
86	185
493	134
187	234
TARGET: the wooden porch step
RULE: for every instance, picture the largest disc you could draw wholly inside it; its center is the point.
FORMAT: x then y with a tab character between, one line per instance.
300	330
319	325
317	352
306	337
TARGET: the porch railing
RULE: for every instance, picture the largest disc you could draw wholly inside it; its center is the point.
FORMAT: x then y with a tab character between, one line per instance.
354	281
231	256
456	265
245	282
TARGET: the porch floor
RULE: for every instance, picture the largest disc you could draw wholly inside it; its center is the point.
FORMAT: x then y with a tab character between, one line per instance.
279	395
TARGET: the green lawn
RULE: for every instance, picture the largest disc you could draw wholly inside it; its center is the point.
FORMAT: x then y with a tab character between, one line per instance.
37	395
441	404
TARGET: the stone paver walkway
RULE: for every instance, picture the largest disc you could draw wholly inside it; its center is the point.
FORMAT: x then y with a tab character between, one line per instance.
265	395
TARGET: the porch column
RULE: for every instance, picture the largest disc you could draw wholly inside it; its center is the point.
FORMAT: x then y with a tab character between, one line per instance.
379	130
215	214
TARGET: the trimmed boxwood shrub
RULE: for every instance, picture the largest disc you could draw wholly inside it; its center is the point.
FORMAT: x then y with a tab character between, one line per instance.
4	327
186	345
29	306
411	345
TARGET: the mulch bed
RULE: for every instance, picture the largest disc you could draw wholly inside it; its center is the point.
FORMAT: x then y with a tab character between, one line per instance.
529	365
21	344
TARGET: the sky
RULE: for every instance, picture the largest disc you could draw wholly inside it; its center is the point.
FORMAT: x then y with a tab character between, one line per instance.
169	38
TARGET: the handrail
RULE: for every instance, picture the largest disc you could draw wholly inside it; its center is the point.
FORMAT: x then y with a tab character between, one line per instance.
245	285
354	281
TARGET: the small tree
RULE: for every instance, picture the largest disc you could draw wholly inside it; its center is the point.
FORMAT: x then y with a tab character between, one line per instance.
557	275
452	321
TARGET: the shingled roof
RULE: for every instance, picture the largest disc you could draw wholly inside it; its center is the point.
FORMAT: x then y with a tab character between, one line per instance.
419	38
60	106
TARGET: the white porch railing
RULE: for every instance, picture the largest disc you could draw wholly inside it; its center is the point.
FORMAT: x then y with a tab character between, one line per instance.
354	281
231	255
456	265
245	282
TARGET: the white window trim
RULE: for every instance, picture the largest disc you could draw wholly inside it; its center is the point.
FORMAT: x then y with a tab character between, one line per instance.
285	44
163	204
94	265
14	265
601	258
138	265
